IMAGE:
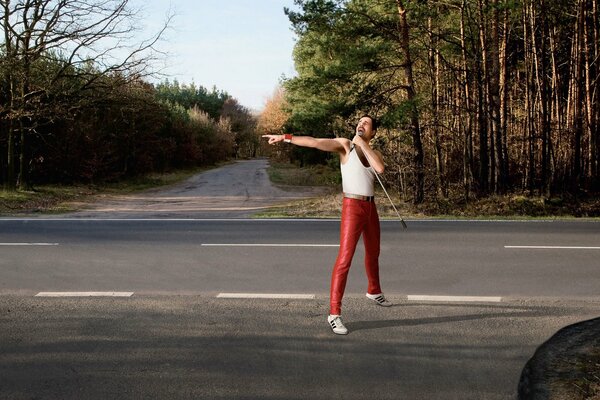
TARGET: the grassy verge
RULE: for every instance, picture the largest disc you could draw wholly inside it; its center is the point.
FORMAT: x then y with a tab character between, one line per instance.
580	377
50	199
574	374
513	206
285	174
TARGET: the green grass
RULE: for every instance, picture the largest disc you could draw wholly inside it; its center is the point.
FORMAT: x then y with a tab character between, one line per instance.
286	174
42	199
150	181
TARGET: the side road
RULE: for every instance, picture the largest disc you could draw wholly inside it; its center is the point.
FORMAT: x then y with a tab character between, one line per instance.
236	190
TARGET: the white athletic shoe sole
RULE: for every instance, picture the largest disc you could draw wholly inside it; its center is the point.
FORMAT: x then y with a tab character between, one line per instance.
379	299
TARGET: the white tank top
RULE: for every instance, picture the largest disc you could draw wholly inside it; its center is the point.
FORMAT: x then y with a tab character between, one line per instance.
356	178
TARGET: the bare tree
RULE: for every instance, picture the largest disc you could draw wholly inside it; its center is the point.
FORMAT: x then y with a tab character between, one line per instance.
466	95
55	50
434	65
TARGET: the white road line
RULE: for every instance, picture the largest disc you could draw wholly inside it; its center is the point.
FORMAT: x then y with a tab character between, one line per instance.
28	244
84	294
554	247
266	245
265	296
480	299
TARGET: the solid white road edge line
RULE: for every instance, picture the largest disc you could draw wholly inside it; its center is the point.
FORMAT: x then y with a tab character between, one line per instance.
554	247
84	294
482	299
265	296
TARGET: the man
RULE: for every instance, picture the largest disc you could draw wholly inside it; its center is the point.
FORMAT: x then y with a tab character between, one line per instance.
359	214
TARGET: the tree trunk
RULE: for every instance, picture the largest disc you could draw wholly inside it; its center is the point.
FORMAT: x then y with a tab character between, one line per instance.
576	98
10	183
483	79
556	116
494	101
529	101
594	89
504	87
418	158
434	66
589	106
22	176
540	68
468	134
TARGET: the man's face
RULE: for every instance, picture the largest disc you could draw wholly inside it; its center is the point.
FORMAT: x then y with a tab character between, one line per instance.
364	128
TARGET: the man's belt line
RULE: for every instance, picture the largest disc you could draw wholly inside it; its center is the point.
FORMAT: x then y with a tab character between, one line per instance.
359	197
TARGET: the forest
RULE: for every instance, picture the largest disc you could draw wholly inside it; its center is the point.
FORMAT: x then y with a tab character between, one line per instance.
475	97
74	109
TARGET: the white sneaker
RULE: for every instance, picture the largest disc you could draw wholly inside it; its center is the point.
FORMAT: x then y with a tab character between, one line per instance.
335	321
380	299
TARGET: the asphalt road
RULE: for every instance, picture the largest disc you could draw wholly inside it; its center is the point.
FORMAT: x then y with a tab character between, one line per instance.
432	257
199	347
159	344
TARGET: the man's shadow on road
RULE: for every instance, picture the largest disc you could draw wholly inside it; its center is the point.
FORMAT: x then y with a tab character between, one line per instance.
512	312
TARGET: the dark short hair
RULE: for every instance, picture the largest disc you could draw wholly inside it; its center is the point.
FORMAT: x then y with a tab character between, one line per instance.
374	122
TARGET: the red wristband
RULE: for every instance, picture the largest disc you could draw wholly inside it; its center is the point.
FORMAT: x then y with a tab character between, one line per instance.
287	138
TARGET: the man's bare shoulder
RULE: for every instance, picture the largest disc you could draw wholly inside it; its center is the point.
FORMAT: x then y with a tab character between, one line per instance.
345	148
346	144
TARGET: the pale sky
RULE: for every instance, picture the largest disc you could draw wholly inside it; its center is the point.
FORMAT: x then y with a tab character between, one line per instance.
240	46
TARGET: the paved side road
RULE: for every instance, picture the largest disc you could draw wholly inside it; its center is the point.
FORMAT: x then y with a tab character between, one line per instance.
235	190
192	347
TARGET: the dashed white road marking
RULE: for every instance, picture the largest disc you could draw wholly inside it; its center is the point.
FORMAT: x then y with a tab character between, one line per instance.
267	245
458	299
84	294
265	296
29	244
555	247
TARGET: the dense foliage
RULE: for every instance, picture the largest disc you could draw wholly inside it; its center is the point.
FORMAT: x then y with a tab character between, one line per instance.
475	96
70	111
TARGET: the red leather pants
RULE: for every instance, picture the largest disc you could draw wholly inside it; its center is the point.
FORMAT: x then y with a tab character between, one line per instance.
358	217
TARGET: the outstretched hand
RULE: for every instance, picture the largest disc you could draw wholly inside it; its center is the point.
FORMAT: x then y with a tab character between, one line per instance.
274	138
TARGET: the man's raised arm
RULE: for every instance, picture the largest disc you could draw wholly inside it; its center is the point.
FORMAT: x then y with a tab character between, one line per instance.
330	145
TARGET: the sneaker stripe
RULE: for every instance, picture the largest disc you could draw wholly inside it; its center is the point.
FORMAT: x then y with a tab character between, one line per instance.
337	325
379	299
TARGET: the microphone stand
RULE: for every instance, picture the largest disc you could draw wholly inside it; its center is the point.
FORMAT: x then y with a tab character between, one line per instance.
383	187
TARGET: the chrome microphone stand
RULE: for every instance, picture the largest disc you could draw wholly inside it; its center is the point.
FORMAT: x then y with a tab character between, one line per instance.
383	187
